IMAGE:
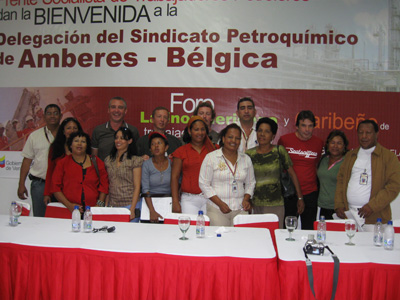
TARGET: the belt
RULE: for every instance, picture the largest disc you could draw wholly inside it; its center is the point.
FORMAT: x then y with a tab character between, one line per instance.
155	195
34	178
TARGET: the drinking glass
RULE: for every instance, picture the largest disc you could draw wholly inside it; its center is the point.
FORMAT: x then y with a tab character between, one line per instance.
350	227
291	224
184	223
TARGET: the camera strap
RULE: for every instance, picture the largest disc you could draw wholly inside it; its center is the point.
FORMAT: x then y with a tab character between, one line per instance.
336	264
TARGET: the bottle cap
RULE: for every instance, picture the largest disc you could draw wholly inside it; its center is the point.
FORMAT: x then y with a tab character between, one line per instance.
201	212
13	202
76	207
87	207
322	218
379	220
219	235
390	222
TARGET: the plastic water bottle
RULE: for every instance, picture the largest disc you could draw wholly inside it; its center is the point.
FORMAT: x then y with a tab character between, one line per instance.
87	220
76	219
321	230
388	236
200	225
378	233
13	214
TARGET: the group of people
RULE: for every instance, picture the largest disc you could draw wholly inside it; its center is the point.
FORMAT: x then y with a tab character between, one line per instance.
237	171
13	134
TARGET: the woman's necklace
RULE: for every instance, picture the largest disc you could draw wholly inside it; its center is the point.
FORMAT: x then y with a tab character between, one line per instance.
82	163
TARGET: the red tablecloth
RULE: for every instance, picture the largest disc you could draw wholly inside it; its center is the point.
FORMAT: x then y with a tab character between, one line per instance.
30	272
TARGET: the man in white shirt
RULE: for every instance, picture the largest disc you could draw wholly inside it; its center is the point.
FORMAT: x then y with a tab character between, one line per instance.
369	178
36	150
246	111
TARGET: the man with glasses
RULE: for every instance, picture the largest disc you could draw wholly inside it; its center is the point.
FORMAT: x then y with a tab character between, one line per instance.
103	135
246	111
36	150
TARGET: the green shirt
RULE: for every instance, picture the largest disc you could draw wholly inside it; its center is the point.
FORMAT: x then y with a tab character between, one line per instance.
327	183
268	191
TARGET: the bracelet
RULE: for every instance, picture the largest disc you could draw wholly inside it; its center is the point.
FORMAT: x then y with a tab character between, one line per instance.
100	203
300	198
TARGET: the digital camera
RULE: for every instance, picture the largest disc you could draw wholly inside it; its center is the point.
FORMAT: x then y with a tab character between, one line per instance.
312	247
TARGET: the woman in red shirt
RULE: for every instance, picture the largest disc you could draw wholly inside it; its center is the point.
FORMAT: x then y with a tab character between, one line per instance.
75	178
58	150
187	161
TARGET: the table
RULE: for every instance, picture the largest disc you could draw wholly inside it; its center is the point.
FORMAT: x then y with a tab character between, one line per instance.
366	271
43	259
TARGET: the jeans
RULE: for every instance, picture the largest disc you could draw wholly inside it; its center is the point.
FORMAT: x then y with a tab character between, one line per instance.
37	191
327	213
310	211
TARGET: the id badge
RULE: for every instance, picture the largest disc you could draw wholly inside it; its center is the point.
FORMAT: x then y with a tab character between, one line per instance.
234	187
364	178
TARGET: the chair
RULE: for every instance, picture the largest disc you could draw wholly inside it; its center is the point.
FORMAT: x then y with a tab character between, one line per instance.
172	218
162	204
396	225
26	208
268	221
115	214
332	225
57	210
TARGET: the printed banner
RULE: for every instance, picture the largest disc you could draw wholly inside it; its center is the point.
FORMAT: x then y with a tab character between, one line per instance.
291	44
340	59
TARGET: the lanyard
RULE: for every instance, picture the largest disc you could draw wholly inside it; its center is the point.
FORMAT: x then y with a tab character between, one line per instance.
245	137
234	171
332	165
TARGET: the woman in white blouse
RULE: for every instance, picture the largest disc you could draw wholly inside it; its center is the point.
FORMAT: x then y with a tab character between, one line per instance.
227	179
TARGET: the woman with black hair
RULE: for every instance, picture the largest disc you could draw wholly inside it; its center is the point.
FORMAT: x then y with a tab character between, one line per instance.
187	161
58	150
80	179
227	179
268	162
124	172
335	150
156	173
